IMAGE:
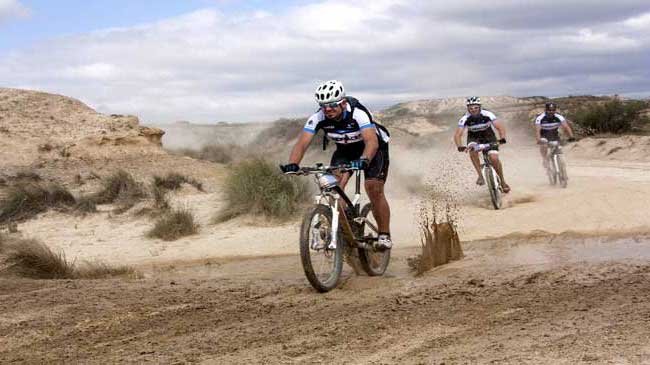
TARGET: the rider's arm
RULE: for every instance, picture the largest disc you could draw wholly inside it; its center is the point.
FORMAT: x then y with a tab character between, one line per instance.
458	136
538	128
300	147
369	136
368	133
566	126
500	128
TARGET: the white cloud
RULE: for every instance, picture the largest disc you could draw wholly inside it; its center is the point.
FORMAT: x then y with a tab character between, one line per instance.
207	66
12	9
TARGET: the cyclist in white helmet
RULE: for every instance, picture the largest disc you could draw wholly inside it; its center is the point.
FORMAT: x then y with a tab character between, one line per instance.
480	125
360	141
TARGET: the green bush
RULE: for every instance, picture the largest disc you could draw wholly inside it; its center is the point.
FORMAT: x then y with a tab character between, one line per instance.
258	187
120	188
26	200
614	116
174	225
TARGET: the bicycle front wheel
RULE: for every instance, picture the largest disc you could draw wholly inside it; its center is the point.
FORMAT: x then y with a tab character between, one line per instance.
493	186
562	175
373	262
322	264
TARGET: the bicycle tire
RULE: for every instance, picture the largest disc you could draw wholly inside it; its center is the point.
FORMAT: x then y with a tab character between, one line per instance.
550	171
495	194
562	174
320	283
374	263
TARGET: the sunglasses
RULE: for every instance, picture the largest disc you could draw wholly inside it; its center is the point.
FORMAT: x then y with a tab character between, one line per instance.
331	105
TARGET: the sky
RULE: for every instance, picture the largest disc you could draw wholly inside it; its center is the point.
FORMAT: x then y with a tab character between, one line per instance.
230	60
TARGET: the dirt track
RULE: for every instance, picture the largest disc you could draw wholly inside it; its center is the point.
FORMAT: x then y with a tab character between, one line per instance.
530	297
543	300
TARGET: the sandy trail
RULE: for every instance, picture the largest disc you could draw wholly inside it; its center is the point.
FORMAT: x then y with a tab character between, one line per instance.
603	197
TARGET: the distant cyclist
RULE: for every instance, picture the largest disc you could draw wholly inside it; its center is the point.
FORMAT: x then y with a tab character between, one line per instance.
360	142
547	127
480	125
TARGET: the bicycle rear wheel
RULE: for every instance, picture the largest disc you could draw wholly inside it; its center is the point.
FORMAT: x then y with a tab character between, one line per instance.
493	186
373	262
562	175
322	265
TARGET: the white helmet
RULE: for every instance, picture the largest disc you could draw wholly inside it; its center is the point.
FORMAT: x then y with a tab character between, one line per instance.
473	100
330	92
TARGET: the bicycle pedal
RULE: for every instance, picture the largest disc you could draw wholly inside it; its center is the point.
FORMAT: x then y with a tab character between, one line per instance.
359	220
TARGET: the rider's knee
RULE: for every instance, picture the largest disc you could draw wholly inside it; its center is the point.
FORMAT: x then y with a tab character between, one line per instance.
374	187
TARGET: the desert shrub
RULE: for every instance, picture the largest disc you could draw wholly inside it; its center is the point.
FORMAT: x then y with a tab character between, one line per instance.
32	259
85	205
102	270
174	225
258	187
173	181
159	198
120	188
614	116
26	200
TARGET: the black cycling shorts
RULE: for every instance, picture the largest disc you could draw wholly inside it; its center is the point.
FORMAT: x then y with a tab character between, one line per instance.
378	167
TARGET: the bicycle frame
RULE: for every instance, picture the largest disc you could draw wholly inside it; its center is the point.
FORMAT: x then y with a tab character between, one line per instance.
331	195
485	148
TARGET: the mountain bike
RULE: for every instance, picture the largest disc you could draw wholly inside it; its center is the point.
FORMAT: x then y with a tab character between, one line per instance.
556	167
489	172
332	231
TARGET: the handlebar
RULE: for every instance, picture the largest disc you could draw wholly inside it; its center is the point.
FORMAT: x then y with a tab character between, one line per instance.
482	146
320	168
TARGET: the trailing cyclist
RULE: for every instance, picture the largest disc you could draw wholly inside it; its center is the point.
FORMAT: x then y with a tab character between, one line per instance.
547	127
480	125
360	142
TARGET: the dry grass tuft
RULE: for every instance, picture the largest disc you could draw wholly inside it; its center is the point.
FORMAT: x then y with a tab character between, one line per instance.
174	181
25	200
32	259
120	188
85	205
174	225
101	270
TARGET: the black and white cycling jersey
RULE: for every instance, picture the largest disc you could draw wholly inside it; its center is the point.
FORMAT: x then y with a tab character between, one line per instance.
348	130
549	122
550	125
479	127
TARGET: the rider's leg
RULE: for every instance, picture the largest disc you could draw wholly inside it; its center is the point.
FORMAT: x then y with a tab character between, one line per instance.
494	159
543	150
473	155
380	207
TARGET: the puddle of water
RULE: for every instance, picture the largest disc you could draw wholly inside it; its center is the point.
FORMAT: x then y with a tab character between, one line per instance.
564	251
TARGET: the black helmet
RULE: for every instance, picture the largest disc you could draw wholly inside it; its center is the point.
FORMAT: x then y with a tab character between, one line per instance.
550	106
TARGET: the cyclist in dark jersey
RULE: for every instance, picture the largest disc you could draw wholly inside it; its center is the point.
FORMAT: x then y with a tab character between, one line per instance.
547	127
480	126
359	141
